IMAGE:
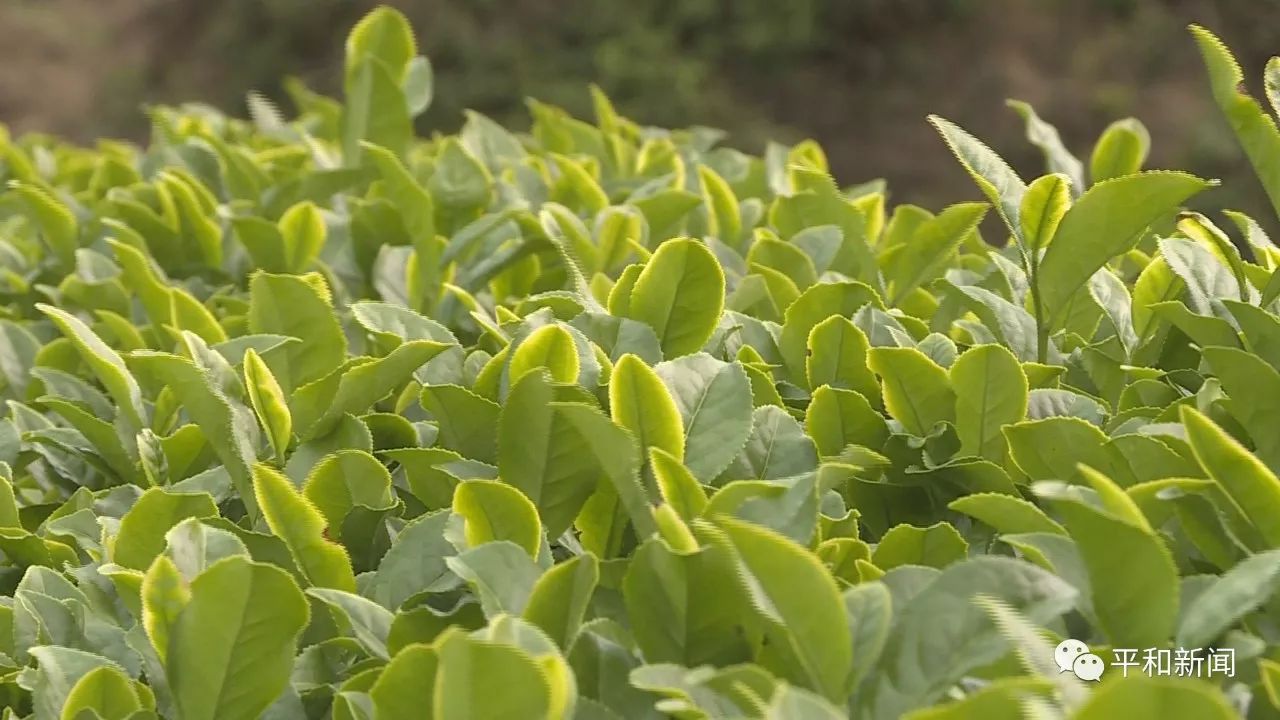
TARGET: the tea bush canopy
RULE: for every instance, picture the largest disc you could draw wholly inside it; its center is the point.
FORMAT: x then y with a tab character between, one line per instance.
308	417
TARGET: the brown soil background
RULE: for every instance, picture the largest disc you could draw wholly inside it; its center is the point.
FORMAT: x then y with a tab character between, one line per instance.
858	75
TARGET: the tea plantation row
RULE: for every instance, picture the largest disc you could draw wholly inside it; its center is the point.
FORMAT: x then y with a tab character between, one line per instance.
312	418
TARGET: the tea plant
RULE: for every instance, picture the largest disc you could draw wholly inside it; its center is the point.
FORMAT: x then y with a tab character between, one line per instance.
312	418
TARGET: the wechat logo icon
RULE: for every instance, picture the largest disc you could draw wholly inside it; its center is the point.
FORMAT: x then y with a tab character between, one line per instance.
1073	656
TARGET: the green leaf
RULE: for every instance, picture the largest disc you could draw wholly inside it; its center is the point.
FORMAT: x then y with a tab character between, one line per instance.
343	481
714	401
232	646
930	248
1052	449
369	622
268	402
105	363
1131	573
1058	158
1046	201
298	306
229	429
991	392
799	602
501	573
319	406
639	402
1120	151
164	594
550	347
616	455
936	546
104	691
1254	390
838	418
1240	591
561	596
1006	513
376	109
680	294
917	392
812	307
303	233
59	671
837	356
940	634
469	670
542	455
141	536
1255	130
1106	221
777	448
406	687
1156	698
1010	324
1240	474
993	175
493	510
465	419
415	563
58	226
383	33
293	519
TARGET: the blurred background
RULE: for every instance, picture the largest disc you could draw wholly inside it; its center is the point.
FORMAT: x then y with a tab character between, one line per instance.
857	75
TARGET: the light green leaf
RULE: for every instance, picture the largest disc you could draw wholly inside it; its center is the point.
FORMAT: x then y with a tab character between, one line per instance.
368	621
837	356
296	521
406	687
796	596
714	401
542	455
561	596
1106	221
1156	698
1120	151
993	175
917	392
1057	157
936	546
1240	474
680	294
1240	591
142	532
104	691
1255	130
493	510
991	392
232	645
551	347
838	418
639	402
105	363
